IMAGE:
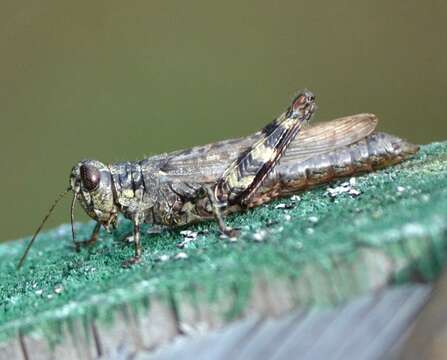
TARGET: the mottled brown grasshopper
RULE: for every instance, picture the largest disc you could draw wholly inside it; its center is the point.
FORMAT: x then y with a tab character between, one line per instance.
214	180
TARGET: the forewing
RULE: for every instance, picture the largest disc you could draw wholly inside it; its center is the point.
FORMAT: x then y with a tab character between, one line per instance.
205	164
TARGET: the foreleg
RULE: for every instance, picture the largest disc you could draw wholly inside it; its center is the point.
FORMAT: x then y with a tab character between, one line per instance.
92	240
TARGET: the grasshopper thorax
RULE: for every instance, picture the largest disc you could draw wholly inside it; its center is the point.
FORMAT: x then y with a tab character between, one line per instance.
91	182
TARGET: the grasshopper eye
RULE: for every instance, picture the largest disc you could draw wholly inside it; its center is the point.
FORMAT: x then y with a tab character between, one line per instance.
90	177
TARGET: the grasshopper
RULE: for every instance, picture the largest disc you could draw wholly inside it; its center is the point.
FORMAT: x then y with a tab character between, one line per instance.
214	180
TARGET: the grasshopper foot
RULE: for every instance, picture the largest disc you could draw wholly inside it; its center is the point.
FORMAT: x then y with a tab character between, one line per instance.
131	261
230	233
89	242
84	243
77	246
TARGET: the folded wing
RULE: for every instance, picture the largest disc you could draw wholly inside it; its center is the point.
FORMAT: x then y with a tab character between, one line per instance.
205	164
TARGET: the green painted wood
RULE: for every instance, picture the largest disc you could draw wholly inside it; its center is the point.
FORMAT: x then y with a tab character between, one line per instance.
315	251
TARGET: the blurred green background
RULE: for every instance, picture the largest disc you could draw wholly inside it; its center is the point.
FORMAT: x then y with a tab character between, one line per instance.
115	80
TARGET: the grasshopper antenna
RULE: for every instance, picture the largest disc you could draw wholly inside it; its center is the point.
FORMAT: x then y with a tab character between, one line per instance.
73	203
61	195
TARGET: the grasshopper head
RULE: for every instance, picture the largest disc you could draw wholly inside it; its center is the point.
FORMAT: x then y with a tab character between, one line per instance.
91	182
303	106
